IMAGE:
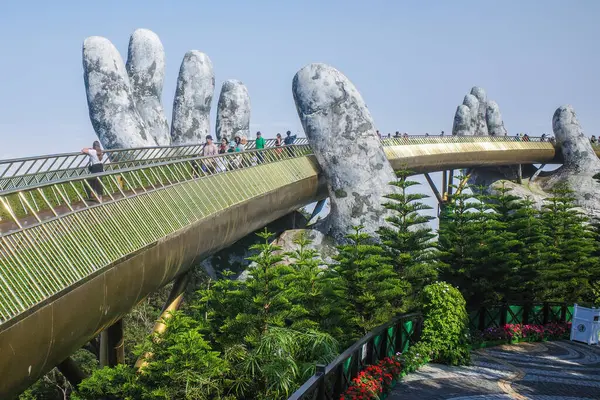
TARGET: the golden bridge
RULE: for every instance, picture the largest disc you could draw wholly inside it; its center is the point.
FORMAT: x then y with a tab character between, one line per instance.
71	267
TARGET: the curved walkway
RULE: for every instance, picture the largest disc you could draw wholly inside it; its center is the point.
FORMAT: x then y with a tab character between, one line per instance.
560	370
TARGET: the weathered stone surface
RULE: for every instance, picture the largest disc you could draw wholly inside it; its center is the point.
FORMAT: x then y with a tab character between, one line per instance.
233	110
493	118
324	245
580	161
110	99
482	116
473	104
580	165
235	257
481	127
343	137
193	98
146	70
579	156
462	121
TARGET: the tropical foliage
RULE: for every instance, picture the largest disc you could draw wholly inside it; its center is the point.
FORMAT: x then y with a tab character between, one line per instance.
260	335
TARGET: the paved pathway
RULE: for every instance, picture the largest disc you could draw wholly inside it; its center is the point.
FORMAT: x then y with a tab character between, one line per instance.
538	371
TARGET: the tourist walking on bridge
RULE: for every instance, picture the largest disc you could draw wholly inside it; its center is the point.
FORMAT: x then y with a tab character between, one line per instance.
260	144
209	150
290	139
278	143
96	166
224	145
239	146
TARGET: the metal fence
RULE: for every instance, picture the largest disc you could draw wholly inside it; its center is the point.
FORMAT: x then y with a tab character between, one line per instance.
330	381
27	171
87	223
24	172
522	313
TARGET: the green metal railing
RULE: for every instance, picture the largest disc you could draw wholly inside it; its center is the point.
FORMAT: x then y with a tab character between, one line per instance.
43	253
540	313
330	381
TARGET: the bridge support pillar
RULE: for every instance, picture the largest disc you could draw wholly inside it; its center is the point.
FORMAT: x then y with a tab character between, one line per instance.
172	304
173	301
112	349
434	189
535	175
71	371
520	174
450	182
444	185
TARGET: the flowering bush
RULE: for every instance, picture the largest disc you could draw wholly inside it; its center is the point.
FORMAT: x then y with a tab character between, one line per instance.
557	330
520	332
491	334
414	358
374	380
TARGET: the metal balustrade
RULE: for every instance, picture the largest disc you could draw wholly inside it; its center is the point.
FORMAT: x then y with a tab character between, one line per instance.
43	253
541	313
28	171
329	382
53	232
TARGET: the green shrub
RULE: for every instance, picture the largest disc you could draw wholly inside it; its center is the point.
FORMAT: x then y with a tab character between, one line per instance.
444	337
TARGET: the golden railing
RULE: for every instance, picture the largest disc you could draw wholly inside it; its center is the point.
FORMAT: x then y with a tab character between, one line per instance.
58	232
73	237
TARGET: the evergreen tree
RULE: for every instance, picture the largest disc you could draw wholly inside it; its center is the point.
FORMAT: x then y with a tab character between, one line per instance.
245	309
267	326
572	267
408	241
458	240
532	252
496	246
373	289
315	292
182	366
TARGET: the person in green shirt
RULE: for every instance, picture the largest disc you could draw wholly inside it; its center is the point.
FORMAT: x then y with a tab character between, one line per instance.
260	144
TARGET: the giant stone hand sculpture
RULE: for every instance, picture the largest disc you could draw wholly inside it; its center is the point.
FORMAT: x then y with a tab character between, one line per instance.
113	113
342	135
146	70
193	98
125	101
478	116
580	161
233	111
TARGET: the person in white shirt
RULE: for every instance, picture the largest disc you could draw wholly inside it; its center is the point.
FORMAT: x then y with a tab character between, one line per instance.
95	155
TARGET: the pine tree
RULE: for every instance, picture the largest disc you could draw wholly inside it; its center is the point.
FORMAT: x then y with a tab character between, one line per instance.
266	327
532	252
408	242
497	245
315	292
237	309
572	266
457	243
373	289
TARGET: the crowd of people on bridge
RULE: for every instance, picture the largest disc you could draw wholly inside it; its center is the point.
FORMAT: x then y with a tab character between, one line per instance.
522	137
238	144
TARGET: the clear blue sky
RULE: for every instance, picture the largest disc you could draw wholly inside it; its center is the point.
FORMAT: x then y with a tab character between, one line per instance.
413	61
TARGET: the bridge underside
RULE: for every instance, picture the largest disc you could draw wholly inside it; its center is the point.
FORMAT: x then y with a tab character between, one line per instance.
38	339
